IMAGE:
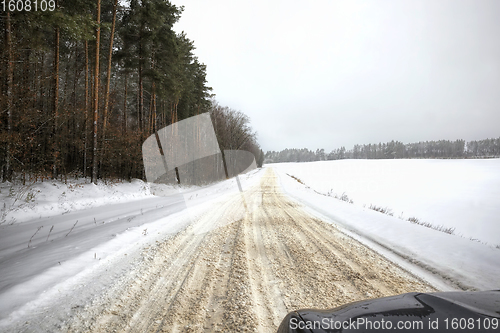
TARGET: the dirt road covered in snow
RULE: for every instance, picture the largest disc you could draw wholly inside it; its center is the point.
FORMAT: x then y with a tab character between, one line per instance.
241	268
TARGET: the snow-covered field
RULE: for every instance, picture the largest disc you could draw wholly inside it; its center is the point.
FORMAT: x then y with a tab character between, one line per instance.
460	194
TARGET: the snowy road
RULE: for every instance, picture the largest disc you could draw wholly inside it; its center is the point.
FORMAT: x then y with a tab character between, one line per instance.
238	269
121	258
50	239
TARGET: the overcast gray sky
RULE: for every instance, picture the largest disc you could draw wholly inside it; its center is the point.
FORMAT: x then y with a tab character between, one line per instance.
325	74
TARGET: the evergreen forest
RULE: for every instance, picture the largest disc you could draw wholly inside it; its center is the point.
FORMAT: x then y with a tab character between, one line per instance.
487	148
85	82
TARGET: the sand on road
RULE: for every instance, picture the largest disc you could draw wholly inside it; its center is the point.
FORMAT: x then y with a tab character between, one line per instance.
241	268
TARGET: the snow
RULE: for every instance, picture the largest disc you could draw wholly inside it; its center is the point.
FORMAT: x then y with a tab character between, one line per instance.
61	244
49	198
94	227
461	194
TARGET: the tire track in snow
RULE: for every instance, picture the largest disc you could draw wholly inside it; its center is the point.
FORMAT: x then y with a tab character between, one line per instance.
244	276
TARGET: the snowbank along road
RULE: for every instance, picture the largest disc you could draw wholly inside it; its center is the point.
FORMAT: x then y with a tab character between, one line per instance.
258	263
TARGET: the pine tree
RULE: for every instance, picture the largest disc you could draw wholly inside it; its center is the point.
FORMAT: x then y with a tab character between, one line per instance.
55	110
108	80
96	94
7	173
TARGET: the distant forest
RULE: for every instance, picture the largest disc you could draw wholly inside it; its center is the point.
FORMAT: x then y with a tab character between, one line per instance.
429	149
83	85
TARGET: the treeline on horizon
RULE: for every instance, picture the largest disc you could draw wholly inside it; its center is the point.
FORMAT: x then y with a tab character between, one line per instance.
487	148
84	85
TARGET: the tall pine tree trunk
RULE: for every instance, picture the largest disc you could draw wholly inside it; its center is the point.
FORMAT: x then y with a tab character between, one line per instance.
96	93
153	109
152	104
125	105
141	88
108	80
86	110
10	98
55	150
141	101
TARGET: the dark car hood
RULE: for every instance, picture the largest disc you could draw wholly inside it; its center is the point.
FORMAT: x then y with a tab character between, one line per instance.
429	312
